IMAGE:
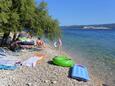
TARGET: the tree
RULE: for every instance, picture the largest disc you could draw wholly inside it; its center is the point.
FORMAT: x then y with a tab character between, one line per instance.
15	15
45	25
4	17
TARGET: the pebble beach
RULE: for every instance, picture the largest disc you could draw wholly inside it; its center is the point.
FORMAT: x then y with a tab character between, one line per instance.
43	74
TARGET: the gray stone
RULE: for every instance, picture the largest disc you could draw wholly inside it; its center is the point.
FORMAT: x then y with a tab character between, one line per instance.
28	84
46	81
53	82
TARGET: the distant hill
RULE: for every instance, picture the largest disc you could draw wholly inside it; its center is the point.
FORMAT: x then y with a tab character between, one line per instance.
96	26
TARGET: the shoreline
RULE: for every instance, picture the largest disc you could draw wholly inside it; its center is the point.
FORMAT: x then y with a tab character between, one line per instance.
43	74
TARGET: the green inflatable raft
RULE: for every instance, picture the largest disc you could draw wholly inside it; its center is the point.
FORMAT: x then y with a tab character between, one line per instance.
63	61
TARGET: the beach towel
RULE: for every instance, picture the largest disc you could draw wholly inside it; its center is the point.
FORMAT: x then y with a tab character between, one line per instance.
2	55
31	62
2	52
8	62
5	67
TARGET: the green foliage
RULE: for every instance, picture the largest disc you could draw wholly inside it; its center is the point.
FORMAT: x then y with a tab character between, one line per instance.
8	16
15	15
42	8
4	12
48	26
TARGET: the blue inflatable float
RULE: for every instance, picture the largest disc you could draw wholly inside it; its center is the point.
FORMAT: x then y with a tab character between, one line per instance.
80	72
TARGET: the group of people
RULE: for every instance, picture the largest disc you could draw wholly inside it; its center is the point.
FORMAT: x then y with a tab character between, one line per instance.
24	40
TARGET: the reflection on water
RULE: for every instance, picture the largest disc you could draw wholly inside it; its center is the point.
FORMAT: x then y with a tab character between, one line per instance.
96	47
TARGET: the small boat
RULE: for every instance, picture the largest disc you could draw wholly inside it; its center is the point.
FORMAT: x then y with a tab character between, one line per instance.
80	73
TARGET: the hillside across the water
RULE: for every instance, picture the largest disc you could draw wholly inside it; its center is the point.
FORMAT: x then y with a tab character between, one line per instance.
95	26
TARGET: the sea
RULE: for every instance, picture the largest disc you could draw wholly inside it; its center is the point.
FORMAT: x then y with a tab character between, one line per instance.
94	49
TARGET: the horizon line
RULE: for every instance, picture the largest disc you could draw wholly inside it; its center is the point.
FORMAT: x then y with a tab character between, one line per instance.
87	24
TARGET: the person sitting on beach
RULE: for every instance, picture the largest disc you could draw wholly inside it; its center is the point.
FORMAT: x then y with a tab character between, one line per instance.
40	43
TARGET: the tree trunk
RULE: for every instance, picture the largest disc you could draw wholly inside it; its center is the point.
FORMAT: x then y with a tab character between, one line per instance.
14	37
5	38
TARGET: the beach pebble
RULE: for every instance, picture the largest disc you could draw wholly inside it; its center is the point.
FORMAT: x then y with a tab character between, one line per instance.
86	85
44	74
46	81
28	84
105	85
111	73
53	82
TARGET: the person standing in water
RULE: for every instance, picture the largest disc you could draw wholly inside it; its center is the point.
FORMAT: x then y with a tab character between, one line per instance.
58	44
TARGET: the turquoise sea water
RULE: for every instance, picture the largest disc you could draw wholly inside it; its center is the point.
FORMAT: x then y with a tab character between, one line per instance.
93	48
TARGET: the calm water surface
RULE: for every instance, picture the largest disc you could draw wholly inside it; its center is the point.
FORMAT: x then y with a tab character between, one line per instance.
93	48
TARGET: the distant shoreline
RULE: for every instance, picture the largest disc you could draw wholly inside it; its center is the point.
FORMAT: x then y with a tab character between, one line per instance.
96	26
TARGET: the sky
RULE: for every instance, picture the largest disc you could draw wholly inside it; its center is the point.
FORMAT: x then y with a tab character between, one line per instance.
82	12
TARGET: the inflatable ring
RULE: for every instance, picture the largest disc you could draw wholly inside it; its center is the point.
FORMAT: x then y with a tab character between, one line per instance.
63	61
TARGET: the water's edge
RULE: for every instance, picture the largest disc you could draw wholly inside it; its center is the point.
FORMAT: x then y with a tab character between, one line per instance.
93	48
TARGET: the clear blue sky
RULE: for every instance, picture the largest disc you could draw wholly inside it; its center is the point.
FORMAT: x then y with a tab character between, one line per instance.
77	12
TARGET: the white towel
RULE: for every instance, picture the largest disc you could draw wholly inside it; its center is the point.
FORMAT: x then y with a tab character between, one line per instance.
8	62
31	62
